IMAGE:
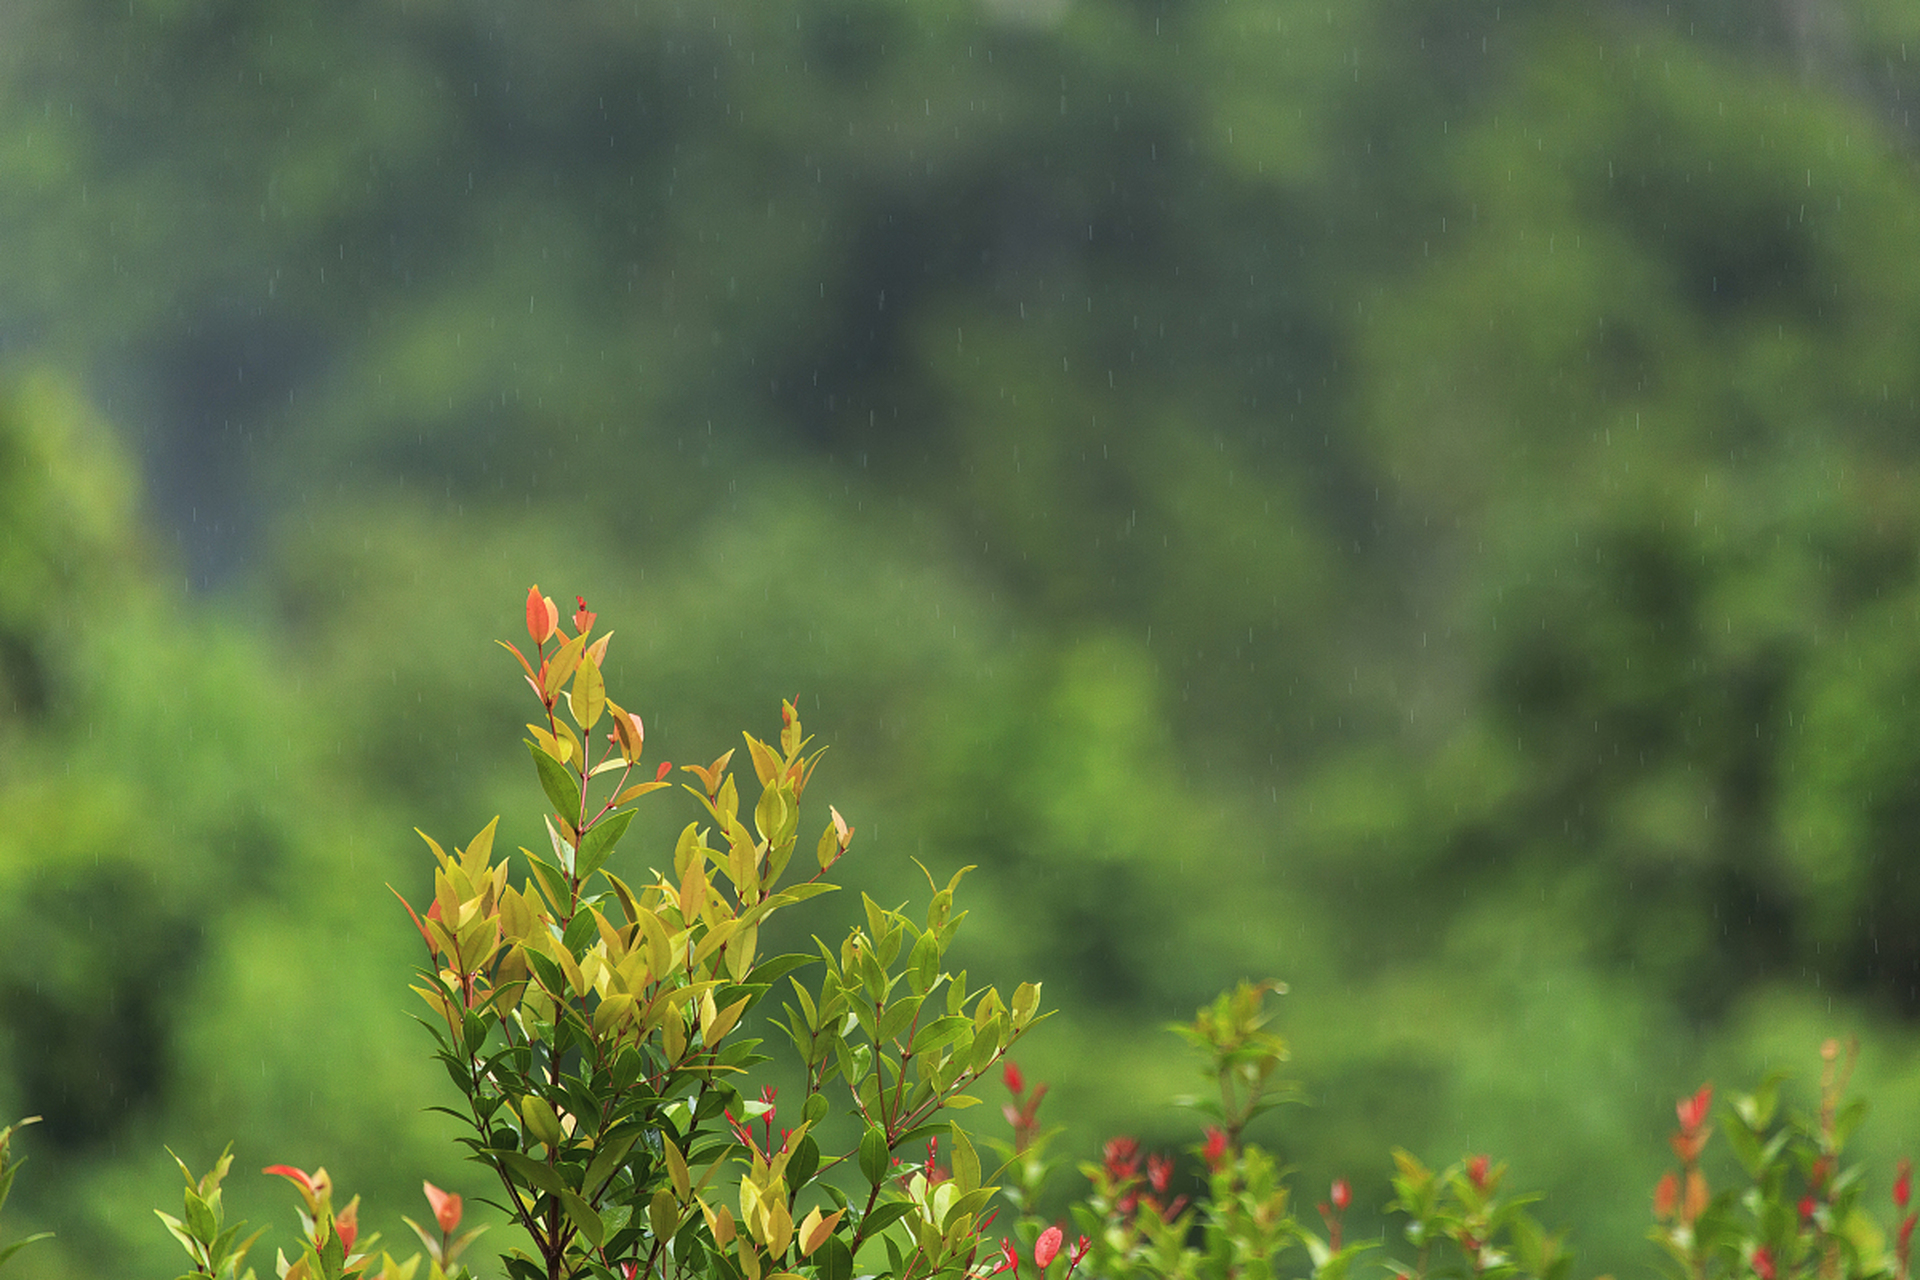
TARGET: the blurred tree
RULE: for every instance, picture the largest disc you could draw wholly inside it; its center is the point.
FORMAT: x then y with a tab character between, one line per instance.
1421	488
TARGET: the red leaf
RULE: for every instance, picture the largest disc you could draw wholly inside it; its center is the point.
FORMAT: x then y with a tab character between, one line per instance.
541	616
446	1207
346	1224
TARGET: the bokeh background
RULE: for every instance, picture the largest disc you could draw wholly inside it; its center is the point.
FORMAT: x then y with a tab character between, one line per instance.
1428	487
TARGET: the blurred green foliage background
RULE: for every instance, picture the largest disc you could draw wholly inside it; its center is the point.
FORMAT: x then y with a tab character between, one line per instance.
1429	489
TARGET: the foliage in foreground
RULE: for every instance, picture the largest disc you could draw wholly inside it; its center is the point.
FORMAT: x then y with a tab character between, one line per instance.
1796	1212
592	1031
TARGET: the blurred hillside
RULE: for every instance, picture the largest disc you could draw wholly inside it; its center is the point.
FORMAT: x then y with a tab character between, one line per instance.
1428	488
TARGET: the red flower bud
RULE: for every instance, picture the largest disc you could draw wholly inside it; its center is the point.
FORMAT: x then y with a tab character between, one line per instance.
660	774
1693	1111
1159	1173
1015	1082
1215	1152
1807	1206
1477	1172
1763	1263
1902	1184
1047	1247
1341	1195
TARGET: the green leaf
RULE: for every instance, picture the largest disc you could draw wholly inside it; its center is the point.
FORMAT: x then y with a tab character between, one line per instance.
773	815
584	1217
923	965
803	1162
175	1228
200	1221
987	1043
898	1016
663	1214
553	881
772	969
1026	1001
528	1171
608	1158
941	1032
876	1157
542	1124
557	782
963	1161
1746	1147
333	1256
597	844
18	1245
834	1259
885	1216
798	893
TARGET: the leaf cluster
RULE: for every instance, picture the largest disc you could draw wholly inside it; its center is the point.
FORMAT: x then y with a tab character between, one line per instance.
1799	1212
592	1025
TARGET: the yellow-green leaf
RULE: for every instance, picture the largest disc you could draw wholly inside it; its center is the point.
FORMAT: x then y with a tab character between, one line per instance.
676	1168
584	1217
543	1125
588	697
766	765
561	666
473	860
